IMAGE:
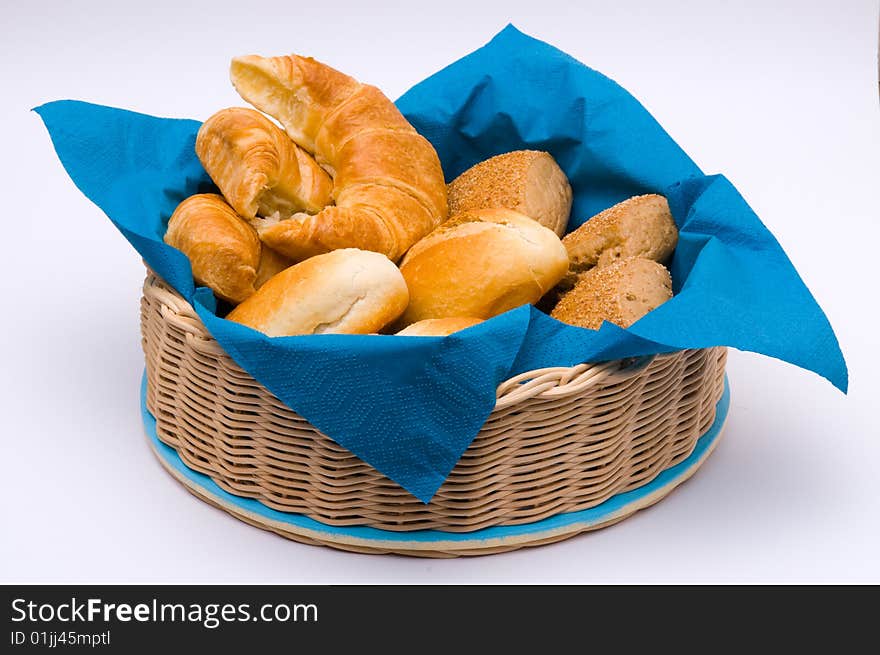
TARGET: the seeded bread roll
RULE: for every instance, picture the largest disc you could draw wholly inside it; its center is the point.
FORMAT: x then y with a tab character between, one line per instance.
481	263
526	181
438	327
620	293
640	226
346	291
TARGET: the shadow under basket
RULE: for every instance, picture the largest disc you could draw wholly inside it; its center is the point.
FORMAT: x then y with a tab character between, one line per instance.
562	444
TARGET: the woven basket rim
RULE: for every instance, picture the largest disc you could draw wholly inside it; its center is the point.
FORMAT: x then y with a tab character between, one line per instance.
547	383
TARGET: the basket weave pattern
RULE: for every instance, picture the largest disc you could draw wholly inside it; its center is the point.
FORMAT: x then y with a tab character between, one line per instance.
559	439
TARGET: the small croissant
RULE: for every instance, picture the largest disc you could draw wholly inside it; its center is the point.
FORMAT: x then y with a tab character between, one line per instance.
258	168
222	248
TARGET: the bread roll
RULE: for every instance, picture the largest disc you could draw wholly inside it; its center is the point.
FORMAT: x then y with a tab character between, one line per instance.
388	185
438	327
346	291
621	292
640	226
258	168
222	248
527	181
481	263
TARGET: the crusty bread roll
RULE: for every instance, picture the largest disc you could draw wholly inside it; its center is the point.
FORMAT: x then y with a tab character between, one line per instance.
621	292
258	168
223	250
271	263
640	226
527	181
438	327
481	263
346	291
388	185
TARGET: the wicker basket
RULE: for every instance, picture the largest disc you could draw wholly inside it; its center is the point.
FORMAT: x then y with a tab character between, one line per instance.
559	439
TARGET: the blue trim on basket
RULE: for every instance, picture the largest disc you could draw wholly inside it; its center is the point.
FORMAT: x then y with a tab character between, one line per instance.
588	516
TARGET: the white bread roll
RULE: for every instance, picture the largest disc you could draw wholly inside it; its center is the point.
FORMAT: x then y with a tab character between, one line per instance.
479	264
438	327
345	291
527	181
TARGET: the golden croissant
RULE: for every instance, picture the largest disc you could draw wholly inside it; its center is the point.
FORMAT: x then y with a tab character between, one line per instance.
271	263
222	248
258	168
388	185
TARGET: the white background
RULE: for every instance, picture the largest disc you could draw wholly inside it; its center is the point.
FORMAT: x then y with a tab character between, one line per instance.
782	99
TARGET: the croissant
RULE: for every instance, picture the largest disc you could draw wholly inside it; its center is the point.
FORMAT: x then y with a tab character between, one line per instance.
271	263
388	184
222	248
258	168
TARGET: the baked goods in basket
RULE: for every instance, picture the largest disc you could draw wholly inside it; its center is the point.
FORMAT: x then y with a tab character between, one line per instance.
527	181
621	292
346	291
481	263
438	327
223	250
388	186
257	167
322	209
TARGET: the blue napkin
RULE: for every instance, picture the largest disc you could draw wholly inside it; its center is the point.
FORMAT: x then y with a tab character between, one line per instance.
411	406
